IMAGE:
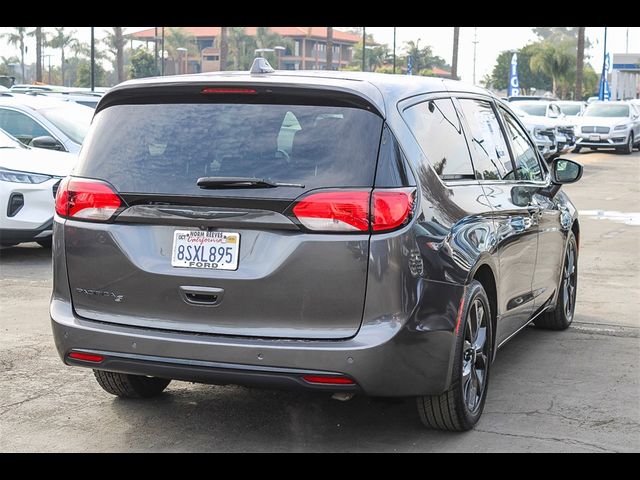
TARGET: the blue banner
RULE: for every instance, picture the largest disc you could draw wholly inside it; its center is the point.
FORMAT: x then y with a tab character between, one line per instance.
514	84
605	91
410	66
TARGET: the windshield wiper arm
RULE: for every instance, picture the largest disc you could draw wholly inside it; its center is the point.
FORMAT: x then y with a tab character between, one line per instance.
241	182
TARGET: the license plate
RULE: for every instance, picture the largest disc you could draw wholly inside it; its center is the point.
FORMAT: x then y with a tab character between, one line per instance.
200	249
594	138
561	138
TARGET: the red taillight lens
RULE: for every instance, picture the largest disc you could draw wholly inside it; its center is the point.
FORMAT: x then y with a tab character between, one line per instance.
391	208
340	211
86	199
242	91
327	380
87	357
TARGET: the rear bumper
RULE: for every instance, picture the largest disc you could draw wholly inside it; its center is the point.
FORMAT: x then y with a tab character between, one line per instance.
383	359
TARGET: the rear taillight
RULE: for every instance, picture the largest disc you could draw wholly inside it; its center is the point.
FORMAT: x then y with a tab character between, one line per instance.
391	208
86	199
349	211
339	211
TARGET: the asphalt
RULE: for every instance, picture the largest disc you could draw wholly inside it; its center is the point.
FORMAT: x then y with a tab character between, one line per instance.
571	391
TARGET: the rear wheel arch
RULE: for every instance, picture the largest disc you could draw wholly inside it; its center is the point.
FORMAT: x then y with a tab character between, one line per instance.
486	276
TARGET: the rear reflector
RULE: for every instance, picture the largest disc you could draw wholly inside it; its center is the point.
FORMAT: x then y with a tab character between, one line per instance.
241	91
338	211
86	199
326	380
391	208
87	357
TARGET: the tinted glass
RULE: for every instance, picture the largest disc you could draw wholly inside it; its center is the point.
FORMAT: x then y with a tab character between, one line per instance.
72	119
165	148
524	154
534	109
21	126
606	110
570	109
436	127
392	169
490	154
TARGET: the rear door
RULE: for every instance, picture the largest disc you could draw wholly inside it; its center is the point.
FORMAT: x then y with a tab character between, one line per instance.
268	275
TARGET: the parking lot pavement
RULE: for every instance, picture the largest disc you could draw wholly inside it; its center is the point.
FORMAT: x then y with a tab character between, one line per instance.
575	390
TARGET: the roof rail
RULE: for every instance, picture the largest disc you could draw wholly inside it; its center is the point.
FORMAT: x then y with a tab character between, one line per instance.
261	65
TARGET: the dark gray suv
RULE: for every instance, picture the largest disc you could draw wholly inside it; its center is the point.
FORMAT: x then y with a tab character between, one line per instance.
339	232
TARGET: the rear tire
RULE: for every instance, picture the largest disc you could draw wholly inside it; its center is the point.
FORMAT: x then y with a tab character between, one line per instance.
628	150
130	386
460	407
562	315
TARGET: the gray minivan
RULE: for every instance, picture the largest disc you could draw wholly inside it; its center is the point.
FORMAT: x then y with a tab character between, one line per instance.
334	231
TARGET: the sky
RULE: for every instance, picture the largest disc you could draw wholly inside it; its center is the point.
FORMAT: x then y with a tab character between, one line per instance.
491	41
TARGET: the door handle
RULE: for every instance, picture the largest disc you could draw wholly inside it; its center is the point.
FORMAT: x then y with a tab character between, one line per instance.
202	296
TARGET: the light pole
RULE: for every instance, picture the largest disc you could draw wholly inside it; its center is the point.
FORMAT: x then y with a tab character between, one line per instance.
394	50
364	42
475	45
49	60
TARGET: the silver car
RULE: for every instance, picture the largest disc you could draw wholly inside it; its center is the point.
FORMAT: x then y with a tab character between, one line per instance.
44	122
609	125
541	129
564	129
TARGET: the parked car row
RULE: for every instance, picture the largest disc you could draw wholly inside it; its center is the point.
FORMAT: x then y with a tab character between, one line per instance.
561	126
40	137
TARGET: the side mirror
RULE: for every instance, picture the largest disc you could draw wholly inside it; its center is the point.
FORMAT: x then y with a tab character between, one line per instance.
565	171
562	171
46	142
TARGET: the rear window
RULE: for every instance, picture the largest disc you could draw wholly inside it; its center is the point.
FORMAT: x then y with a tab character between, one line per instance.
165	148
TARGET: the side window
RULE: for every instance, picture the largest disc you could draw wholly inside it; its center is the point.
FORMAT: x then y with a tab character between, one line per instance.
21	126
436	127
392	170
524	154
490	154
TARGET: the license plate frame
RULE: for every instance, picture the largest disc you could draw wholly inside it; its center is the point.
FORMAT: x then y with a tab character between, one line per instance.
205	250
594	138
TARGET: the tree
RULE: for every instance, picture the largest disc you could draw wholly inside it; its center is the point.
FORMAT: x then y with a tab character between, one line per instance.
528	79
17	40
62	41
267	38
115	44
224	47
329	62
376	56
579	64
40	40
5	69
143	64
554	59
454	59
241	47
84	74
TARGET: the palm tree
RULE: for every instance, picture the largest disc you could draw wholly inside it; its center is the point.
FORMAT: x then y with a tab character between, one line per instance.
579	65
554	59
224	47
40	40
240	44
454	60
329	48
17	39
115	43
61	40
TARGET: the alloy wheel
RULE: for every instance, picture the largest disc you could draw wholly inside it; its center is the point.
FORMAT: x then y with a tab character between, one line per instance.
569	281
475	355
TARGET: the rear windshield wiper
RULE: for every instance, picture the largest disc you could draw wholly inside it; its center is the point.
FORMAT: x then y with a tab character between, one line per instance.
241	182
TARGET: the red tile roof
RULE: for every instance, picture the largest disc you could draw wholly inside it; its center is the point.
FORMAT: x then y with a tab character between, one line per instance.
312	32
